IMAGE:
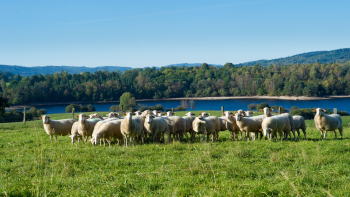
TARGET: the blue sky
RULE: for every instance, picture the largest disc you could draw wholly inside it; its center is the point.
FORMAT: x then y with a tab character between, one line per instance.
158	33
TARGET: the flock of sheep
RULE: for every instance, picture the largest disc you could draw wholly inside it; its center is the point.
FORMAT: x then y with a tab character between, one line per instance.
153	126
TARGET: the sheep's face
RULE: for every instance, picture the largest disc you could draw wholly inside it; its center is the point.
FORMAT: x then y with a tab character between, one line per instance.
46	119
149	119
95	116
169	113
239	115
138	113
249	113
320	111
82	118
227	114
205	114
128	115
112	115
266	131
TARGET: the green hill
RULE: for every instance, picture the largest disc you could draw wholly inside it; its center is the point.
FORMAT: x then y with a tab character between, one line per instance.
339	56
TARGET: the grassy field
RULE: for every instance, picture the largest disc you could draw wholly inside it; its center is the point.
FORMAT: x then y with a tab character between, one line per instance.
32	166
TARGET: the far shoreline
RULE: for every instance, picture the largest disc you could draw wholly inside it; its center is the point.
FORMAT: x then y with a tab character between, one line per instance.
294	98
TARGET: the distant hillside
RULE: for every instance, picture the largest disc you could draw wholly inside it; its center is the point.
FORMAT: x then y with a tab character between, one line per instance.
28	71
191	64
339	55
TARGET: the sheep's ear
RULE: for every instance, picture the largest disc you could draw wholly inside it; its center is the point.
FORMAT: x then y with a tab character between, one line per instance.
124	114
200	114
314	110
77	116
270	129
236	112
323	110
260	129
40	117
261	110
173	113
252	112
233	115
144	117
222	114
107	114
271	109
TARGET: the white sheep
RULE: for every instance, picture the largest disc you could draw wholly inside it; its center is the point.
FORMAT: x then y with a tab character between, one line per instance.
108	130
207	126
228	122
275	124
299	123
74	134
267	111
189	118
57	127
250	125
137	113
156	126
326	123
113	115
130	128
144	113
249	113
86	126
204	114
96	115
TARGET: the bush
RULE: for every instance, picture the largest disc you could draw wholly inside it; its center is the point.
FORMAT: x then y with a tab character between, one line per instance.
343	113
252	106
307	113
293	108
114	108
180	108
158	107
43	111
80	108
262	106
15	116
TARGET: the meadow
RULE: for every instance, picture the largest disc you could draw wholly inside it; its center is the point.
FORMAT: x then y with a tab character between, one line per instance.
30	165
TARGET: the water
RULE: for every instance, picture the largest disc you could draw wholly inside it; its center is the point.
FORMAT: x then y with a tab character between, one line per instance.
343	104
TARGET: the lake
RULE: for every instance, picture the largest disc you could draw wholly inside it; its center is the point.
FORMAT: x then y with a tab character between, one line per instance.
343	104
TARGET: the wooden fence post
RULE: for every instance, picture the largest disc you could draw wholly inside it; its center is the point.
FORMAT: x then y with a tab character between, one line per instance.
172	109
73	109
24	116
222	109
335	110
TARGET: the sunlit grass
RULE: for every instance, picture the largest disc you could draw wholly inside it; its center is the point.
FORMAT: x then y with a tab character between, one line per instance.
31	165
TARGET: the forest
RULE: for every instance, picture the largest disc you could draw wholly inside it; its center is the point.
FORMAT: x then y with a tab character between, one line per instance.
315	79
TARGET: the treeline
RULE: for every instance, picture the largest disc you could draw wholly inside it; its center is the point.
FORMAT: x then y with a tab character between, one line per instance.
169	82
16	116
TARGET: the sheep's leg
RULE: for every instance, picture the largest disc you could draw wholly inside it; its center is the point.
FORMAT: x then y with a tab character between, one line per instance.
324	134
341	133
55	138
304	133
246	136
241	135
298	134
51	138
109	140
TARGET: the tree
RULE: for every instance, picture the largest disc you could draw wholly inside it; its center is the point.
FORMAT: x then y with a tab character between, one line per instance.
192	104
252	106
43	111
127	102
3	105
262	106
114	108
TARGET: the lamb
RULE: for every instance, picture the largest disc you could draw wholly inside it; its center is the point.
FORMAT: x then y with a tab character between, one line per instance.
156	126
326	123
108	130
57	127
86	126
130	128
207	126
248	124
299	123
228	122
189	118
275	124
74	134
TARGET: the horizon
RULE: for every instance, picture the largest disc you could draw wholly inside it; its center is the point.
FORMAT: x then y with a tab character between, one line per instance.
156	34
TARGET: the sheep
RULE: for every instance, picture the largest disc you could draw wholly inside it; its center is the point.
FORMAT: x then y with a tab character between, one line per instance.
228	122
189	118
326	123
96	115
275	124
74	134
204	114
137	113
130	128
156	126
169	113
108	130
207	126
86	126
113	115
156	112
248	124
144	113
57	127
299	123
177	126
267	113
249	113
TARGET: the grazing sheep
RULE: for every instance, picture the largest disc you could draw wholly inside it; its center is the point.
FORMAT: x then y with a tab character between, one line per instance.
207	126
299	123
189	118
57	127
275	124
177	126
86	126
130	128
106	131
248	124
156	126
74	134
230	124
326	123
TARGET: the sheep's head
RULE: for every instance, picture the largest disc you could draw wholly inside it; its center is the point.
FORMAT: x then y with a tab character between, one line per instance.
190	114
128	115
319	111
82	118
169	113
228	114
267	111
239	115
266	131
137	113
92	116
249	113
46	119
149	118
112	115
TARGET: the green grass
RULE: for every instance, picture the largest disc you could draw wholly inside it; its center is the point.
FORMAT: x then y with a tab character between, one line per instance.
30	165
